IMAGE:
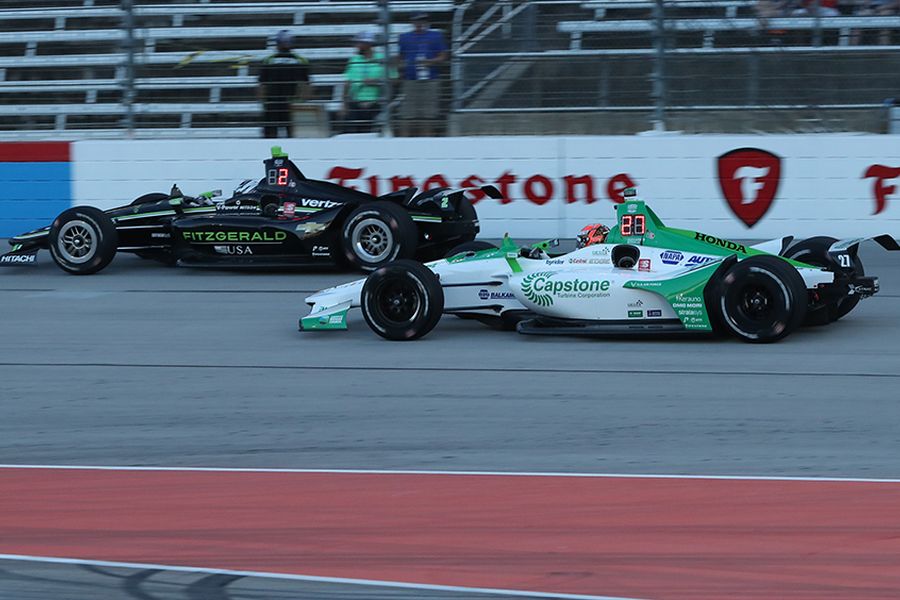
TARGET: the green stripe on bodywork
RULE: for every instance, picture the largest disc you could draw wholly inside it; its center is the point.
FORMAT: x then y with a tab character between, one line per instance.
27	236
511	250
426	218
684	294
166	213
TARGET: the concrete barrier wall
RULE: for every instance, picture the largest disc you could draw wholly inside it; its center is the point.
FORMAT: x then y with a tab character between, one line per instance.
734	186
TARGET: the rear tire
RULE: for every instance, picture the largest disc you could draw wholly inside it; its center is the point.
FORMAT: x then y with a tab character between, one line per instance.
377	233
83	240
473	247
762	299
403	300
814	251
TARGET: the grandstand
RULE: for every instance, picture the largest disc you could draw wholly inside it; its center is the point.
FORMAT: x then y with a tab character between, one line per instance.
591	66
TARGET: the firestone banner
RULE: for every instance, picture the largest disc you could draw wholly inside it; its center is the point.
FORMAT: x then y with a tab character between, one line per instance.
748	187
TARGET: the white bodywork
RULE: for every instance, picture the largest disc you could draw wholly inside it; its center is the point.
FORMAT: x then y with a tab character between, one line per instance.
580	285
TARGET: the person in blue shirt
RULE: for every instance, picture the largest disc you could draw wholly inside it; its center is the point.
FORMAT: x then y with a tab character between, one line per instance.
421	50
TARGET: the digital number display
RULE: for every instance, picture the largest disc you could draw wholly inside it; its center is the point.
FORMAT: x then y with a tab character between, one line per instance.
634	225
277	176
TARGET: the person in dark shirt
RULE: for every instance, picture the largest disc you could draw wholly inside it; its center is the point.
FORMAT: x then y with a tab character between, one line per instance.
283	78
421	51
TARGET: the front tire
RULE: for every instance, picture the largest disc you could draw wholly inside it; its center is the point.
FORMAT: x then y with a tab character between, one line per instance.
377	233
402	301
762	299
814	251
83	240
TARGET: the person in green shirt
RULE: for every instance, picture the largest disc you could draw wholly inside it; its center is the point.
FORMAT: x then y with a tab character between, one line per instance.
364	90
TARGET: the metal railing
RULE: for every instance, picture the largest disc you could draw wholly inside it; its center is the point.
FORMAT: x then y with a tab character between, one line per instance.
516	67
609	66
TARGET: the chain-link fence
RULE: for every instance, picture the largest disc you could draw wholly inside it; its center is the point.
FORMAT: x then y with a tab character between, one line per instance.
689	65
83	68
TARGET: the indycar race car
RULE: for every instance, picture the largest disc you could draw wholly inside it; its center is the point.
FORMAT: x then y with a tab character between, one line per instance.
284	219
639	277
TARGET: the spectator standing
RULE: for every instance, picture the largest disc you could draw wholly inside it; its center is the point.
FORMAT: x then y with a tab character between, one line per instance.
877	8
820	8
421	50
283	78
772	9
364	90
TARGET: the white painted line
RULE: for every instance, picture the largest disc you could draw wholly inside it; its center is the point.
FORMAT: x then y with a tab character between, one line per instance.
310	578
456	473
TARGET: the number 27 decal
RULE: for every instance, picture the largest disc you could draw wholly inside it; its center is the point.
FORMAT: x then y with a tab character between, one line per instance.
844	261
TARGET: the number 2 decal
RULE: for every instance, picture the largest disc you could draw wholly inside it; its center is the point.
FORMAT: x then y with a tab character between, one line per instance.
277	176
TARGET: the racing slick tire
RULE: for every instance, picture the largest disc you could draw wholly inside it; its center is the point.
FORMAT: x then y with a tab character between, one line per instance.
403	300
814	251
377	233
472	246
762	299
147	198
83	240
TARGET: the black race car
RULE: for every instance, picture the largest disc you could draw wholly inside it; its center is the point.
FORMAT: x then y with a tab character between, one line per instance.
284	219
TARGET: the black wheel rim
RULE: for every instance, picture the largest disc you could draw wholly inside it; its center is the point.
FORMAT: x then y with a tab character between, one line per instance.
755	303
398	300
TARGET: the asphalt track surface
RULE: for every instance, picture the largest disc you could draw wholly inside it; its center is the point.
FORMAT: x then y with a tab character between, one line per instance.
151	366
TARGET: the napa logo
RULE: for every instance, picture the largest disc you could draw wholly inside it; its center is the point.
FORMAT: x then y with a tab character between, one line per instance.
534	294
541	289
671	257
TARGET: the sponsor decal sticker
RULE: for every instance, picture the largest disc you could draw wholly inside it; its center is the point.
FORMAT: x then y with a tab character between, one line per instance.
237	207
699	260
488	295
313	203
635	314
540	288
654	313
233	250
577	261
18	259
310	228
289	209
636	304
643	264
211	237
714	241
671	257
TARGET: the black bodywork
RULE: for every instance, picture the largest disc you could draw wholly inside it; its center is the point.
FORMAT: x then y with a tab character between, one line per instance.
285	219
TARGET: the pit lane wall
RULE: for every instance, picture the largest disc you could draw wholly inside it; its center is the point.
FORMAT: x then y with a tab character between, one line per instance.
734	186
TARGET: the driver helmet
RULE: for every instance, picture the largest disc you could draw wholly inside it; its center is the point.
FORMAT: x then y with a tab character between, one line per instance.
591	234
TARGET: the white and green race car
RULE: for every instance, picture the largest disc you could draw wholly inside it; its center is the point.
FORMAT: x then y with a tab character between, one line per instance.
639	277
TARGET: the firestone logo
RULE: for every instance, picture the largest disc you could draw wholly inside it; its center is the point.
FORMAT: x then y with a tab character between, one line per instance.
880	188
537	189
749	179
